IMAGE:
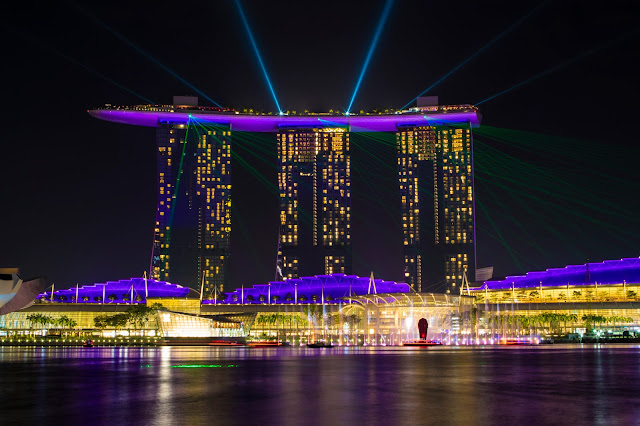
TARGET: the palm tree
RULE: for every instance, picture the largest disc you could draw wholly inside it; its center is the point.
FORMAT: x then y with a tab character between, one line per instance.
35	319
569	317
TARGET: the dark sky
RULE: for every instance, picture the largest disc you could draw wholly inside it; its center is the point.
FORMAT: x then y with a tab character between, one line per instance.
78	194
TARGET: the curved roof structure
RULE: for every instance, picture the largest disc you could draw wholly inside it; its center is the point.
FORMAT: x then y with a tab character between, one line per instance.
153	116
15	293
607	272
120	289
313	289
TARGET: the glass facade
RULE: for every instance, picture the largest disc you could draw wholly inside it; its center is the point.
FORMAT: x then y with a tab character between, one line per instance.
314	181
193	222
435	176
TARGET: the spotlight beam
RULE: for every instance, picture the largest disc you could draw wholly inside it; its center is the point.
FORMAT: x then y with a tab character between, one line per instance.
477	52
564	64
372	47
123	39
255	49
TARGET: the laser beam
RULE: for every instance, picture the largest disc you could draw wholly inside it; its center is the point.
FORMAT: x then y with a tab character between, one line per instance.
255	49
123	39
372	47
564	64
479	51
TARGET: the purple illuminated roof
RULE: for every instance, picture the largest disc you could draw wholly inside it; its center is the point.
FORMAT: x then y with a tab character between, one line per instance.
120	289
271	123
607	272
333	287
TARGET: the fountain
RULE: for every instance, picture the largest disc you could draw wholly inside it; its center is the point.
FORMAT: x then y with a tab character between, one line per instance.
423	328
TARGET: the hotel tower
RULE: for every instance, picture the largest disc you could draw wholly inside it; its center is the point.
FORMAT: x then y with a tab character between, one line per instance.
314	182
193	220
193	224
435	175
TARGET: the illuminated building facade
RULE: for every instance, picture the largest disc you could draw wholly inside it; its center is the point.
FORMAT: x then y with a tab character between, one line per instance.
314	181
434	156
435	175
193	221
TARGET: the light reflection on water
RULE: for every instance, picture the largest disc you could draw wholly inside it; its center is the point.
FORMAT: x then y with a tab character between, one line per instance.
390	385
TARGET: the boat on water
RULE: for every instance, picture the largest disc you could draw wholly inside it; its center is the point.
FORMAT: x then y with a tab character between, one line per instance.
519	342
87	343
264	344
203	341
224	343
421	343
320	344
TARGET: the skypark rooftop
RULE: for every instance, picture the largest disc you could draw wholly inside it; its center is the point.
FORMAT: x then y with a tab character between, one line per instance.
156	115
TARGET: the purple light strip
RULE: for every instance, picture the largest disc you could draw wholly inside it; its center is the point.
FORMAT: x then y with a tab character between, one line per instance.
607	272
271	123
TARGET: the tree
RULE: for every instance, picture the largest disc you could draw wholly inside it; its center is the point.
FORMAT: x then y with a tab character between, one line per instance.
250	298
138	315
118	321
631	294
66	322
112	297
158	306
101	321
276	298
262	298
36	319
138	298
98	298
288	297
62	298
126	297
85	298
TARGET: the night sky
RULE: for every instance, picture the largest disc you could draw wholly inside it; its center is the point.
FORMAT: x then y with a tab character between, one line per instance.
556	158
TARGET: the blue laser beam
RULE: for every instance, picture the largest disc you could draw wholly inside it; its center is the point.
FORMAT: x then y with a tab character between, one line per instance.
372	47
564	64
479	51
123	39
255	49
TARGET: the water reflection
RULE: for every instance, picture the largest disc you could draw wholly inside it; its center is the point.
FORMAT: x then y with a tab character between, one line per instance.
549	384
